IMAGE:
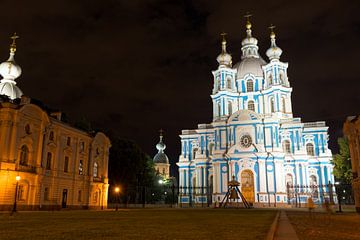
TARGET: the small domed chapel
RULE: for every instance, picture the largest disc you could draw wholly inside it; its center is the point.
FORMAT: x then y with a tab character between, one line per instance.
254	136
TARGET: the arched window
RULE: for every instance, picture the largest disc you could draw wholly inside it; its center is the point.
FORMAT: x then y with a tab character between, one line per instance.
286	146
51	136
314	187
272	105
24	155
194	153
281	77
230	108
95	171
283	105
27	129
229	83
310	149
211	148
289	185
270	79
68	141
66	164
48	161
251	105
250	86
219	109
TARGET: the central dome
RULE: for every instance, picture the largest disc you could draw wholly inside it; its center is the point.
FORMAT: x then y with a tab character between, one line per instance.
250	65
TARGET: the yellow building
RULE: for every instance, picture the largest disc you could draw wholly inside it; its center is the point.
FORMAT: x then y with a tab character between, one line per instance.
352	132
45	162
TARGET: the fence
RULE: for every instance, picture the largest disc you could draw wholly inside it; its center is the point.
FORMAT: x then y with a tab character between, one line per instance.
298	195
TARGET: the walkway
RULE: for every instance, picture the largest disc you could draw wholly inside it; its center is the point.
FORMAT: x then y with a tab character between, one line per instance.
285	230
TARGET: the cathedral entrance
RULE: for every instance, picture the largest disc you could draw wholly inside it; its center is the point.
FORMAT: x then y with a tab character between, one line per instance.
247	186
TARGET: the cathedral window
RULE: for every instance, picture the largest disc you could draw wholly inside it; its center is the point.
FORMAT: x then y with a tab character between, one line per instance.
283	105
230	108
211	148
66	164
287	146
310	149
314	187
251	105
272	105
48	161
95	199
250	86
229	83
24	155
219	109
51	136
95	172
281	78
270	79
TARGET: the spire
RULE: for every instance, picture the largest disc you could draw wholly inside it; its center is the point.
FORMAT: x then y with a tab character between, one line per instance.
161	146
224	59
13	44
249	43
274	52
9	70
248	24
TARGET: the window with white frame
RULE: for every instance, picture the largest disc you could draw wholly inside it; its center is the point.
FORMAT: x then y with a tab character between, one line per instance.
251	105
249	85
286	146
310	149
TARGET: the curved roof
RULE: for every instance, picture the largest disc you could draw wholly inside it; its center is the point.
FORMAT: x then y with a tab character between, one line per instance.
250	65
161	157
10	89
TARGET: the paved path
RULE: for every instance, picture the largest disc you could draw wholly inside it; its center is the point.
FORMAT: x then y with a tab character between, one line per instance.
285	230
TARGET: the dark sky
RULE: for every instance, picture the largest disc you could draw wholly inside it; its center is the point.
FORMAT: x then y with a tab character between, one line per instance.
138	66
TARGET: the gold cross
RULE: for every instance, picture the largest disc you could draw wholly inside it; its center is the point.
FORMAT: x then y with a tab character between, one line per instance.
161	132
14	37
247	16
223	34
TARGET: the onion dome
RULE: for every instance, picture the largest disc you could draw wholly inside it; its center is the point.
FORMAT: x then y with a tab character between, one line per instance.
274	52
251	62
224	59
9	70
161	157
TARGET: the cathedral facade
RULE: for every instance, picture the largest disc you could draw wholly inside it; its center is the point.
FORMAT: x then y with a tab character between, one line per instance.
46	163
254	136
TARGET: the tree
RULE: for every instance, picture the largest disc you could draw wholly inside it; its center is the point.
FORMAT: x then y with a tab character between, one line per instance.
342	163
131	169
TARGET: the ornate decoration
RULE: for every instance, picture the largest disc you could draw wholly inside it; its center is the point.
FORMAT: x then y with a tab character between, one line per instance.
246	141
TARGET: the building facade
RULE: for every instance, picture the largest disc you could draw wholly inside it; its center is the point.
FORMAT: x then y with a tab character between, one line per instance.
44	162
352	132
253	136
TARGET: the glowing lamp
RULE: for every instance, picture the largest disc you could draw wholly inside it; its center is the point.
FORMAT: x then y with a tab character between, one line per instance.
117	189
18	178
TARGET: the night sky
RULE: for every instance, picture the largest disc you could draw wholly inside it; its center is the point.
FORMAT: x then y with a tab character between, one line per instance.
138	66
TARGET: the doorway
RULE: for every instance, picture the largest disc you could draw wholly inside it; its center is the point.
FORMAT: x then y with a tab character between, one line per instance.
64	198
247	186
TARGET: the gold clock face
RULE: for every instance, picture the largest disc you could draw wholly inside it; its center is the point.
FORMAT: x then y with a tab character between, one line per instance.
246	141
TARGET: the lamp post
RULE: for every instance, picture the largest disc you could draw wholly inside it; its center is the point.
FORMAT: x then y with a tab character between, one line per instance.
338	193
17	178
117	197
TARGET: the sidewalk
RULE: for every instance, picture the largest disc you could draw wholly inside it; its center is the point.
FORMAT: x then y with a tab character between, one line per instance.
285	230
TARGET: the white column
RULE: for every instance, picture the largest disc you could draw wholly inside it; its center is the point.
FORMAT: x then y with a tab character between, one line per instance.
262	176
322	175
303	174
297	173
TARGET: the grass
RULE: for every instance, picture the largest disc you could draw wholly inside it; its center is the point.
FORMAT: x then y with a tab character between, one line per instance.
323	226
138	224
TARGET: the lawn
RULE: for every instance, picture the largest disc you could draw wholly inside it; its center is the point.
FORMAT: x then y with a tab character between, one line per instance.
138	224
322	226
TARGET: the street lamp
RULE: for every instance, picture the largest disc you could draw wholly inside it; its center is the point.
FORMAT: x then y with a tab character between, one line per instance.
117	197
17	178
161	182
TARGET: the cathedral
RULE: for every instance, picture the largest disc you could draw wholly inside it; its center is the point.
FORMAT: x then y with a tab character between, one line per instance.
45	163
254	137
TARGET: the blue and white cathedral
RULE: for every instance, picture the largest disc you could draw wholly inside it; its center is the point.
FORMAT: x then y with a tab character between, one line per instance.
253	136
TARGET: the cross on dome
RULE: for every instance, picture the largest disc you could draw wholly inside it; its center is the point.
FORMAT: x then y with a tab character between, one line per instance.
9	70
